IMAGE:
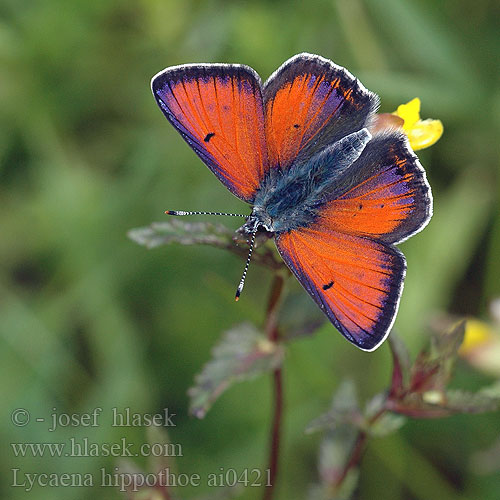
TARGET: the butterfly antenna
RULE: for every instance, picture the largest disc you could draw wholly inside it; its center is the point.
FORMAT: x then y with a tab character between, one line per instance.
181	212
242	281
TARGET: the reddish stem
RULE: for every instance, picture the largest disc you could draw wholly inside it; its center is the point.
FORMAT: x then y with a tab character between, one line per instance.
165	494
358	449
354	459
273	335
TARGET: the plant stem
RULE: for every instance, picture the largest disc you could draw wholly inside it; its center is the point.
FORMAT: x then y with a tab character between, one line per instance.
163	490
357	450
272	332
354	459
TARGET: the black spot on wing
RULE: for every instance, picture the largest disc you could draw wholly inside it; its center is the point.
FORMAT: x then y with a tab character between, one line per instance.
296	125
328	285
209	136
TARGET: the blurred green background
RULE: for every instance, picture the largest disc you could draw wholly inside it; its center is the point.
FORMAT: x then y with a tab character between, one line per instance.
88	318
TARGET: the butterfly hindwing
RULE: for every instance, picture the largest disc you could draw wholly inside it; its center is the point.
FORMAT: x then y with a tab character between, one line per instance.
218	110
357	282
310	102
383	195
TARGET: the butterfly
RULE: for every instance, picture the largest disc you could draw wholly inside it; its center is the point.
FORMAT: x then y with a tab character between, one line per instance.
298	149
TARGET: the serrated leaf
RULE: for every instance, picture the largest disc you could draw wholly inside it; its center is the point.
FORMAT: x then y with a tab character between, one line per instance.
205	233
242	354
344	410
185	233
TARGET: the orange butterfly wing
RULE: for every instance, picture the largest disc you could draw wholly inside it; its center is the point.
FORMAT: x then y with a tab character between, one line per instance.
218	110
310	102
383	195
355	281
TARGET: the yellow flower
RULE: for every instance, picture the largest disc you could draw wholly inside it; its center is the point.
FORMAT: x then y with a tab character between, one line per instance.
481	346
421	133
477	334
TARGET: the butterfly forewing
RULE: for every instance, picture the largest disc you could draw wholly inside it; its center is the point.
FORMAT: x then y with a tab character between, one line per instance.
311	103
218	110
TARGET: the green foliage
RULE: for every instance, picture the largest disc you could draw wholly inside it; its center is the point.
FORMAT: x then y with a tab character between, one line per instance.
242	354
185	233
421	390
204	233
423	394
337	482
344	410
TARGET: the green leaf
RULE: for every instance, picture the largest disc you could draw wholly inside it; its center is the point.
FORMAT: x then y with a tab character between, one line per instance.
299	316
386	424
379	421
185	233
344	410
436	404
206	233
471	402
242	354
445	345
335	451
